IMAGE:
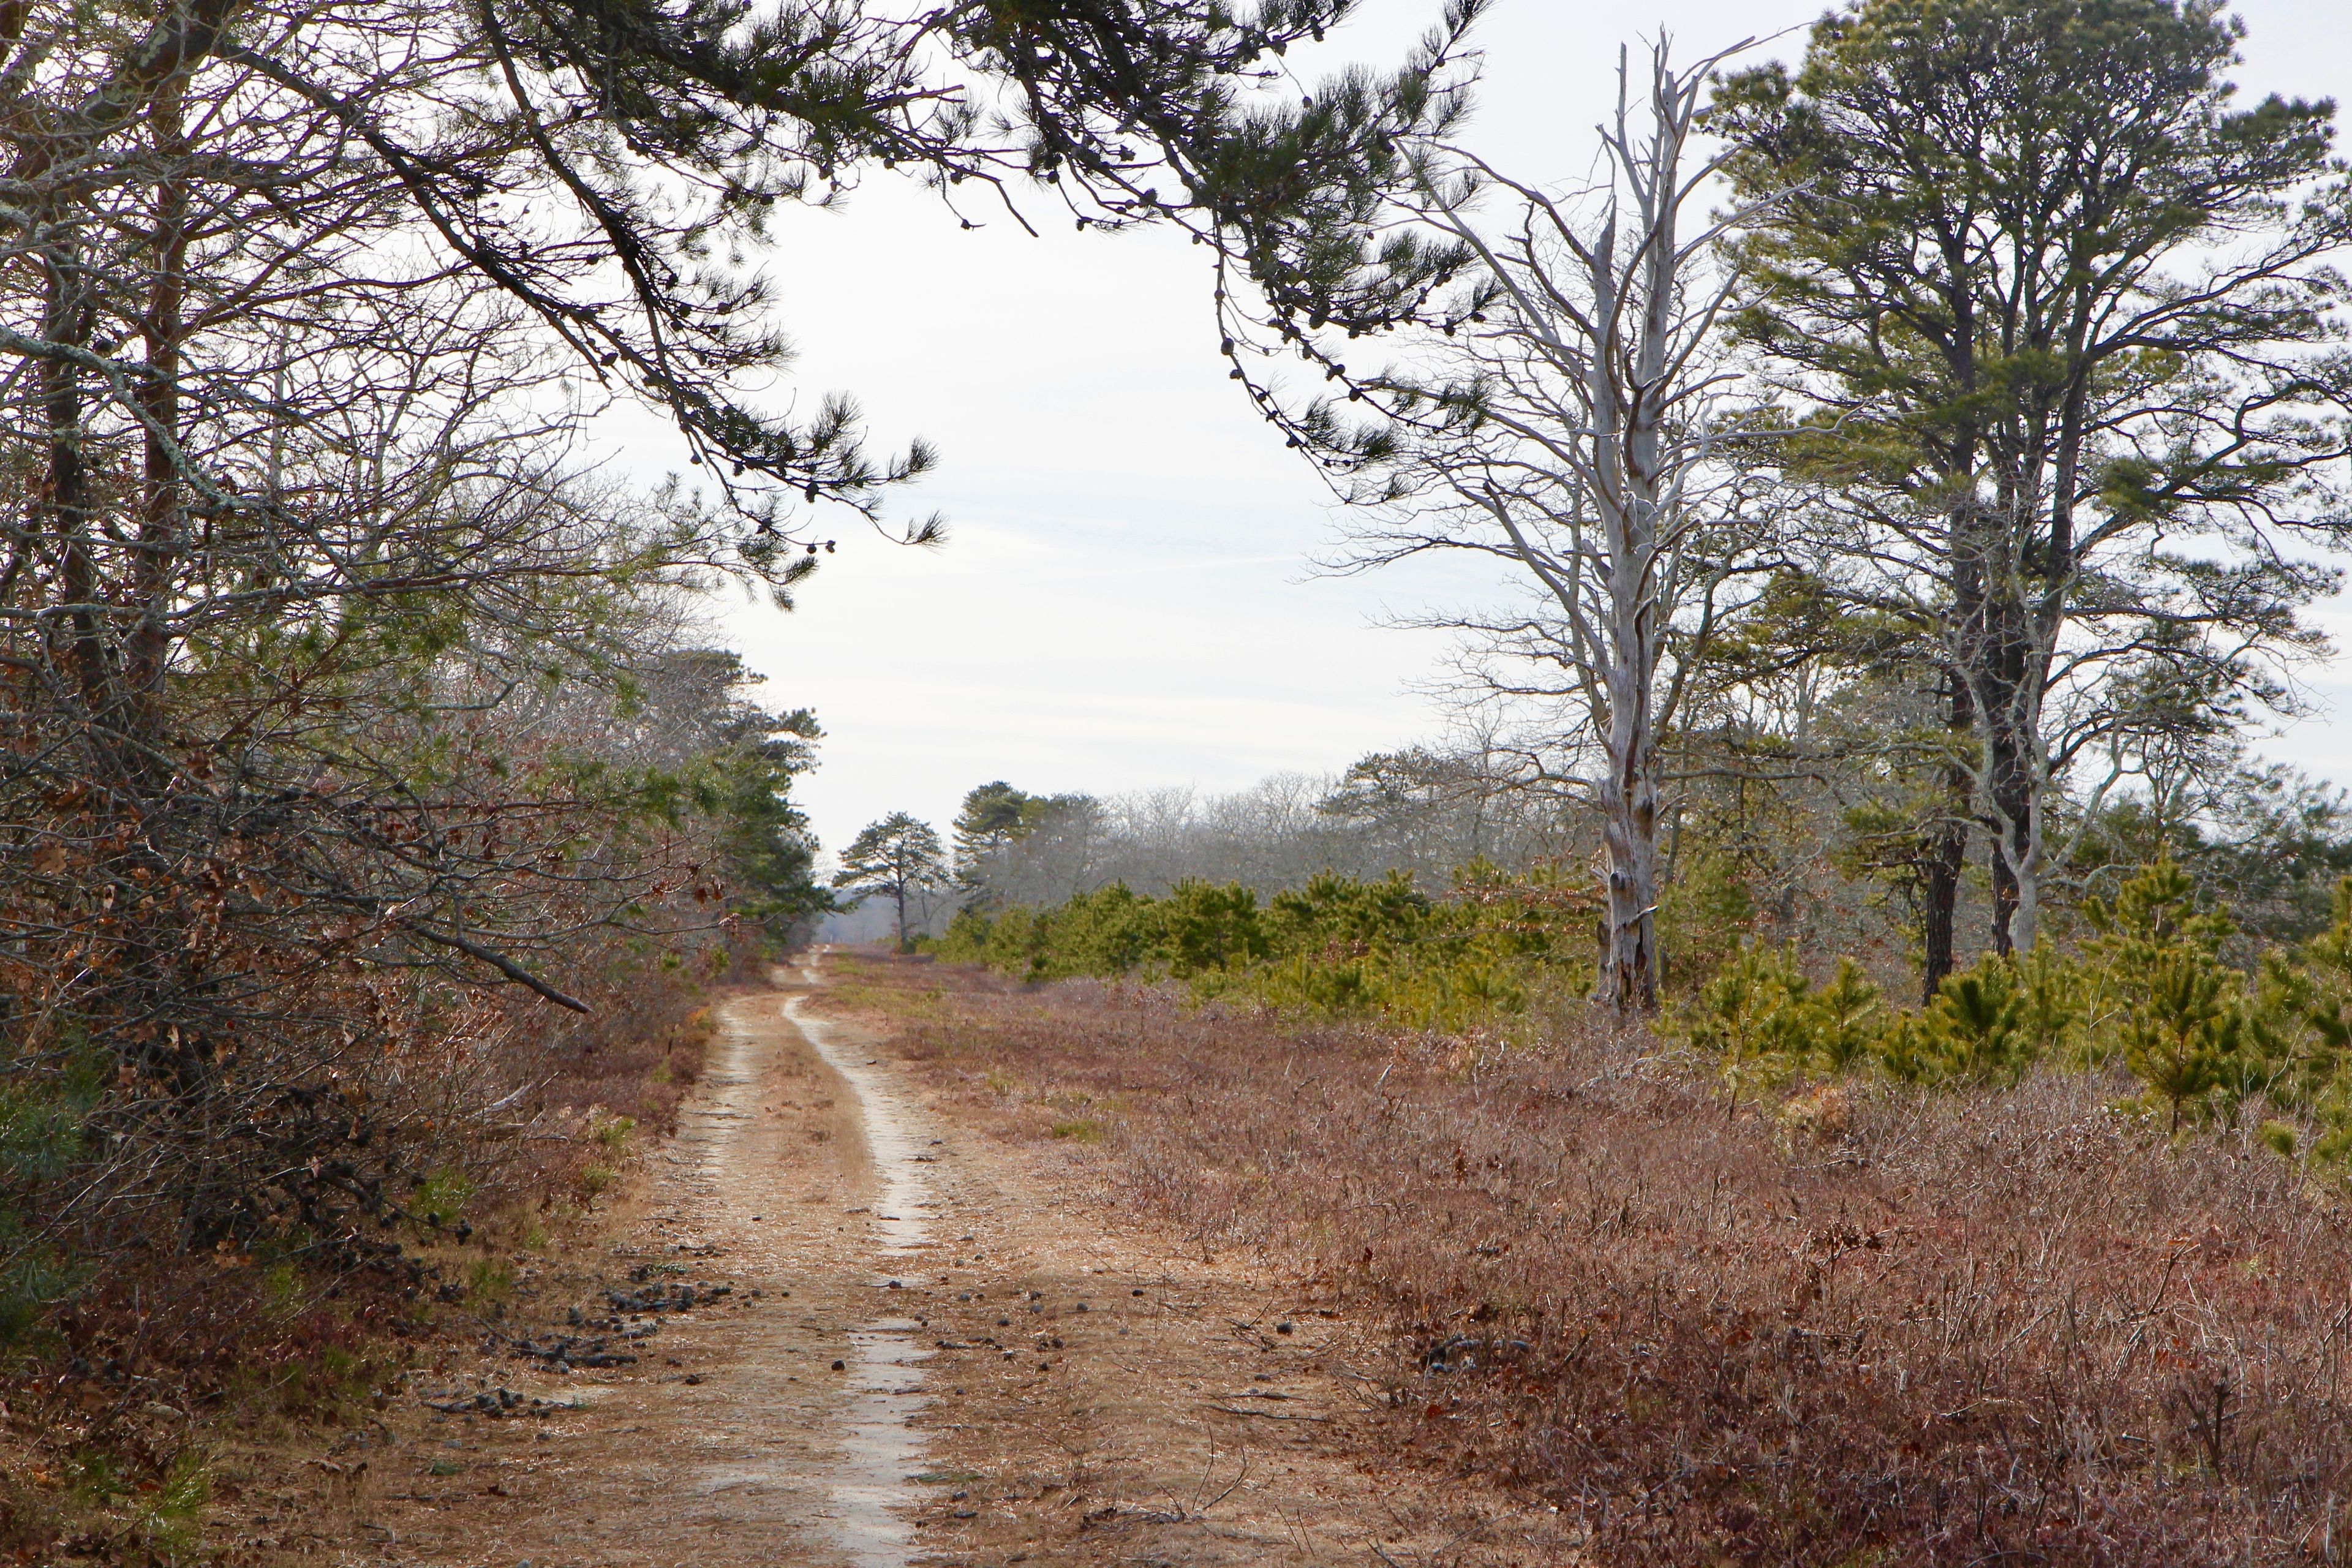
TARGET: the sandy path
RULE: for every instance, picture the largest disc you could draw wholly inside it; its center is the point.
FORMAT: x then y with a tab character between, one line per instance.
933	1350
867	1484
733	1439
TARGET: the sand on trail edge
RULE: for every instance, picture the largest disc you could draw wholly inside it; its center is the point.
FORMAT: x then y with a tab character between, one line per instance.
933	1349
869	1484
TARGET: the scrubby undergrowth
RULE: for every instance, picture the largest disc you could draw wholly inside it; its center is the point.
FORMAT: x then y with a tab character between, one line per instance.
2149	988
128	1409
1822	1321
1337	946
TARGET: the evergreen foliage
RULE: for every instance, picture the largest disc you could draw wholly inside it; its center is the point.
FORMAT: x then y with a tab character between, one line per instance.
2062	317
899	858
1338	947
2149	996
771	855
1977	1028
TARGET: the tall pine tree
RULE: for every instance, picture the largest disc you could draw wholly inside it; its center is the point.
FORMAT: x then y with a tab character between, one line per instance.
2065	318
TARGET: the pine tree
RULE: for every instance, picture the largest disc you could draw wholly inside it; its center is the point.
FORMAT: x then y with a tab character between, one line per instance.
2065	318
897	858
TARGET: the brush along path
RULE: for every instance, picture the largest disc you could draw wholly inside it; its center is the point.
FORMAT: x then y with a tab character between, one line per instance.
929	1350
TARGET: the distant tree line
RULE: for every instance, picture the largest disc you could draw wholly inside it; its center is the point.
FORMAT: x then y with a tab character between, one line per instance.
1802	858
1421	812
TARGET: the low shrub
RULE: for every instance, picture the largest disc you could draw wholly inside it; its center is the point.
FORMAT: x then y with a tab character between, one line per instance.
2149	995
1864	1321
1337	947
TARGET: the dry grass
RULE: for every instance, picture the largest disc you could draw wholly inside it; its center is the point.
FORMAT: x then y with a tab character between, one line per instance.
638	1058
1861	1327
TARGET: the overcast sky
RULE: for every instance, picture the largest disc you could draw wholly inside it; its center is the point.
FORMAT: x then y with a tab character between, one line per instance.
1127	600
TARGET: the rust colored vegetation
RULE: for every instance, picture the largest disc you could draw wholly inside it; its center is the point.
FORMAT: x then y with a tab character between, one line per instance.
1850	1323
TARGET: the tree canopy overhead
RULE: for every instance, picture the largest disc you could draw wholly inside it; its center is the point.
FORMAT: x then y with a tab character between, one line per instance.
601	172
309	303
325	671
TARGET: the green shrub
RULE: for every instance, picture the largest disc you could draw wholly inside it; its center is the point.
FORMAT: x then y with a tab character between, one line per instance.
2147	993
1108	931
1769	1023
1705	915
1337	947
32	1280
2183	1038
2322	1002
2301	1023
440	1201
170	1516
2186	1025
43	1134
1977	1028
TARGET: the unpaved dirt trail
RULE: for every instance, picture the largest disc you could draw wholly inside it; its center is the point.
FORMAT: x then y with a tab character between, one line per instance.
868	1484
930	1350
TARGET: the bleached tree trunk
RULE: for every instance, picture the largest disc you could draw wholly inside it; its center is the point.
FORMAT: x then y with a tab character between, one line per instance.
1629	804
1626	451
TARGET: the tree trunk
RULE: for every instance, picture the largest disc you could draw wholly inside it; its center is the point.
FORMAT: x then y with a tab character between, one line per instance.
161	534
1947	844
1939	904
2009	762
1634	529
1629	806
1629	789
1630	981
2025	917
66	487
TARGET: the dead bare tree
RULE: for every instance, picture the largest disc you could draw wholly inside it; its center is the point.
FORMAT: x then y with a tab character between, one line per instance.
1579	427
